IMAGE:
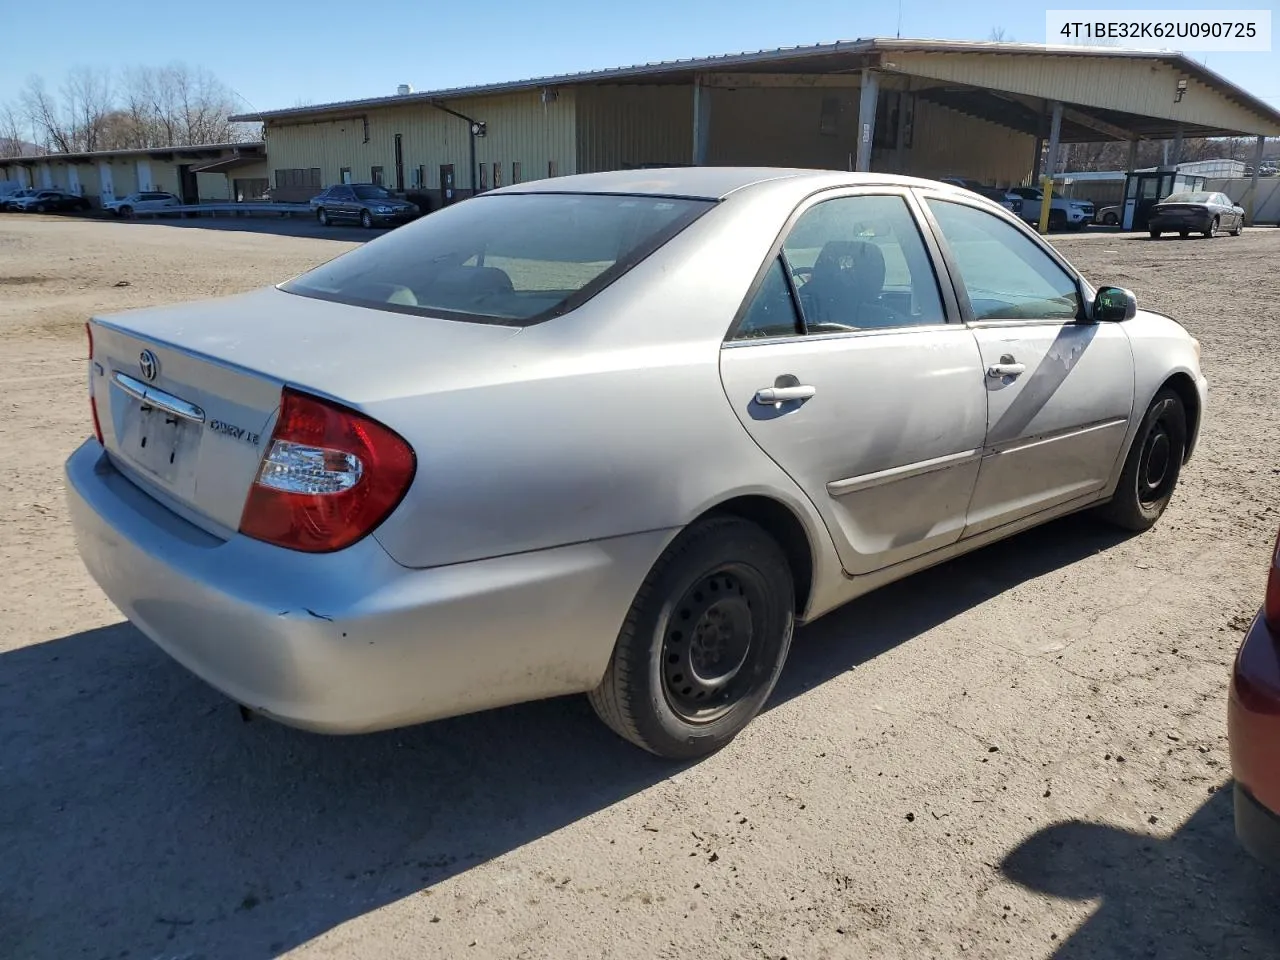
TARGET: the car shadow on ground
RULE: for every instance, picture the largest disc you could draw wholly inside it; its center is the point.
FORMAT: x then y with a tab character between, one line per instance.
1193	895
140	815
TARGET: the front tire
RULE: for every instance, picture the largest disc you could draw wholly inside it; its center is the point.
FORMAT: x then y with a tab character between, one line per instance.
1110	219
366	219
1155	234
322	215
39	208
703	643
1239	228
1152	468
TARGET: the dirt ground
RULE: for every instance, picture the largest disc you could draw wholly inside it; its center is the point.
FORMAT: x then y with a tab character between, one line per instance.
1020	754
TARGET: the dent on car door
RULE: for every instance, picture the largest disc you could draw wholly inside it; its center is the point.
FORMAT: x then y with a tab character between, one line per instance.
1059	388
843	368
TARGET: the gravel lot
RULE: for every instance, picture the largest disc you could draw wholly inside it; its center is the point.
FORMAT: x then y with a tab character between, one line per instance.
1020	754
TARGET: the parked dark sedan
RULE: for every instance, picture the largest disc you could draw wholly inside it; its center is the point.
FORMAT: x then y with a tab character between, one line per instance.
47	201
1253	726
367	204
1199	212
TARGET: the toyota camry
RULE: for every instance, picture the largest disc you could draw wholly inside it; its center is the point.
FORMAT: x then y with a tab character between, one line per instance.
613	433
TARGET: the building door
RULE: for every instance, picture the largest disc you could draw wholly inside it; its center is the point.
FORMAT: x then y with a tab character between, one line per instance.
144	175
375	175
446	183
188	188
399	164
106	186
46	176
344	175
73	180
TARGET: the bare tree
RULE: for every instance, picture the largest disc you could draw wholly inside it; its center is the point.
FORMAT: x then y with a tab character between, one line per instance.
998	35
167	106
12	130
45	116
87	100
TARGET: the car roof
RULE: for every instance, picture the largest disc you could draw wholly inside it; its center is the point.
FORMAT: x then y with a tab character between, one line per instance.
712	183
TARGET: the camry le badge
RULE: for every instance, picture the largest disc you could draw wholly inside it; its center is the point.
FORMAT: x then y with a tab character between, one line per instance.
148	365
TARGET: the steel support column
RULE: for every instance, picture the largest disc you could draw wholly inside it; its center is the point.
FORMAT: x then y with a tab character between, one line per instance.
870	95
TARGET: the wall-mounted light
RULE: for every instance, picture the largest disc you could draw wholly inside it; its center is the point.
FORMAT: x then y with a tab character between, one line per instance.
1182	88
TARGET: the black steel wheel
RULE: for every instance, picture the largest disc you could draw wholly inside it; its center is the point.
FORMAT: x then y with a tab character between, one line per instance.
703	643
1152	468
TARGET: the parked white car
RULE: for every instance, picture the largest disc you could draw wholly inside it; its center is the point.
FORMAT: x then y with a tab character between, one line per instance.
1063	211
141	201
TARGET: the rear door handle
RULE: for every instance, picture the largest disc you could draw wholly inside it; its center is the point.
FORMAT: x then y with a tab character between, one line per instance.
785	394
1006	368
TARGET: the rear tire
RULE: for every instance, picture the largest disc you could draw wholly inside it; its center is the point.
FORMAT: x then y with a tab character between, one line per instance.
1152	468
39	208
1213	228
703	643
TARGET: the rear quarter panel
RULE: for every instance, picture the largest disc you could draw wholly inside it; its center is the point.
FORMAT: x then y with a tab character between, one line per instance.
607	421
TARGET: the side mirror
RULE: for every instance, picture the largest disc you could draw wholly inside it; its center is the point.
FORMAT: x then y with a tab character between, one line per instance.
1114	304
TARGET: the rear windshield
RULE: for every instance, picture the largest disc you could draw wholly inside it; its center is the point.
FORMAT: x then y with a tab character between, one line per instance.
1188	198
513	259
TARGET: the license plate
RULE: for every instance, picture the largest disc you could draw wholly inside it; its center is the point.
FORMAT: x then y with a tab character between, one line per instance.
160	443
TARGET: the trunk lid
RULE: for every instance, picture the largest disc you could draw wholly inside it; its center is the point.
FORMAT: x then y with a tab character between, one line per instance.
187	395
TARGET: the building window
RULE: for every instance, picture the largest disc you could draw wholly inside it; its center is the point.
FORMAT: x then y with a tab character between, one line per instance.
515	171
419	177
375	175
484	177
552	170
344	175
298	177
497	174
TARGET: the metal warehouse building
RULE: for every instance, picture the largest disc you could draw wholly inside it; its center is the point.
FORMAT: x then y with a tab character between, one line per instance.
923	107
220	171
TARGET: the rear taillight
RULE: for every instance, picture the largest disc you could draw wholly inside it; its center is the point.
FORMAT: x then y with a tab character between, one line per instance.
93	401
329	477
1271	602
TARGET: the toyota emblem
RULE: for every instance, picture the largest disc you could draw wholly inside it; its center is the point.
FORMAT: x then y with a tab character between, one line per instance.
148	365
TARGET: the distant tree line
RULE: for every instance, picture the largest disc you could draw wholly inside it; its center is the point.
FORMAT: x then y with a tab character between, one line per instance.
98	109
1114	154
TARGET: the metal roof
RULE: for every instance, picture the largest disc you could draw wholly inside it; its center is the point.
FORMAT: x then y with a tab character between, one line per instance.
844	56
80	157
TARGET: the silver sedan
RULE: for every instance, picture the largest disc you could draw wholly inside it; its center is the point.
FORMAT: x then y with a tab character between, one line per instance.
613	433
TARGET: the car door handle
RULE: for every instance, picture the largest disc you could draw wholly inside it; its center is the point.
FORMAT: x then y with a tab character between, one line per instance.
785	394
998	371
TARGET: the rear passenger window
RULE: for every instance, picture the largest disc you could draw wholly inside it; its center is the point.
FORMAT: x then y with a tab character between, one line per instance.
772	312
860	263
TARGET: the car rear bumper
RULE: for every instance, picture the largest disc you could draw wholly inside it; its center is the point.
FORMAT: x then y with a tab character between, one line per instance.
351	641
1189	223
1253	731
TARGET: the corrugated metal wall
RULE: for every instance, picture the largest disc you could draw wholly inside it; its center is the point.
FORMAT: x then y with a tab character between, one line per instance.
784	127
948	143
1266	204
520	129
633	125
1144	87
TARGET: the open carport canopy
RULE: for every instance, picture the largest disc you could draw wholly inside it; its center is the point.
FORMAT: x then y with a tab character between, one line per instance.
1107	93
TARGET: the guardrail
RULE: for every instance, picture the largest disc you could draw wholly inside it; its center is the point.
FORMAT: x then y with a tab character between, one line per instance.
245	207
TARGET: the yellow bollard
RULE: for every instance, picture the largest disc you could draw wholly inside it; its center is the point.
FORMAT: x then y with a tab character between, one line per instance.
1046	186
